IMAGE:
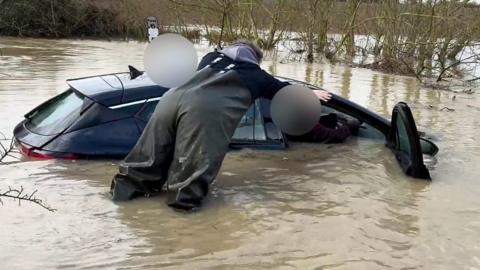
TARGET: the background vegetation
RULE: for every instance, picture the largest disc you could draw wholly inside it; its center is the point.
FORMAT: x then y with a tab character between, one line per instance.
433	38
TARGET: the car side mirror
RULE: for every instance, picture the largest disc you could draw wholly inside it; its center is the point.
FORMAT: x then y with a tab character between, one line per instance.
428	147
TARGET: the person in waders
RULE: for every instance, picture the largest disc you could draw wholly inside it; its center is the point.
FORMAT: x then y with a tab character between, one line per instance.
183	145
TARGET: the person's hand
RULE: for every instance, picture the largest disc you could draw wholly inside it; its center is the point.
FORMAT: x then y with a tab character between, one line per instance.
323	95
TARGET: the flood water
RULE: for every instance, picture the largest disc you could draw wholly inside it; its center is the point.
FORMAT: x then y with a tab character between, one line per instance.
345	206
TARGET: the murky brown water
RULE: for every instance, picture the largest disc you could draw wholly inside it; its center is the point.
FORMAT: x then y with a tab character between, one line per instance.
312	207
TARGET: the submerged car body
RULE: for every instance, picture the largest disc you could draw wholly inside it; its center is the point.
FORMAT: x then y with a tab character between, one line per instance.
103	116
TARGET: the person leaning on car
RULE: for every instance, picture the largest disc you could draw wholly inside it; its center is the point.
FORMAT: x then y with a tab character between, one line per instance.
185	141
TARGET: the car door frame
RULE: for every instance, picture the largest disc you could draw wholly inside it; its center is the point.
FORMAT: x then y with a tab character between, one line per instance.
411	161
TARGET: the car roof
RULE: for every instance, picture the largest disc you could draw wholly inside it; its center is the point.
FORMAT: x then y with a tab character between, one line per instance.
118	88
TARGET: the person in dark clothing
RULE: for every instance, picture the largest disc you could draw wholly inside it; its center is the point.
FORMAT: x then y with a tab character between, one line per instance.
183	145
330	128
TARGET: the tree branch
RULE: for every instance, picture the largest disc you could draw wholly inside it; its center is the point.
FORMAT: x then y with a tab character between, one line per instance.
20	195
6	150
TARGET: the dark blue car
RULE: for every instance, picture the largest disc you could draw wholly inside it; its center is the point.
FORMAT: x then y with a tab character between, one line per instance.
103	117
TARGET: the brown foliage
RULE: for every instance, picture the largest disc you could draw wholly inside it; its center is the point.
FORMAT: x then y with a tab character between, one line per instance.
415	37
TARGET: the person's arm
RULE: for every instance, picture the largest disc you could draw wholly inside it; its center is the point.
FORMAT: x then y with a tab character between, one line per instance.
320	133
331	129
274	85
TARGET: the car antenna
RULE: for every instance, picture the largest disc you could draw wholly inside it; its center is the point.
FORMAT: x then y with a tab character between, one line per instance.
134	73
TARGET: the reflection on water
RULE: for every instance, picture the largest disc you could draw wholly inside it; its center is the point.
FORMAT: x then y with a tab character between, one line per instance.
314	206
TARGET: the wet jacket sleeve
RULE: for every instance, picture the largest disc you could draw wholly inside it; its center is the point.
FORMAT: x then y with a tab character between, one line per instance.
272	85
320	133
259	82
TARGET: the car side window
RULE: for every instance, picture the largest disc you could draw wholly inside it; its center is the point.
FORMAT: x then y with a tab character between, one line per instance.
259	129
251	126
245	129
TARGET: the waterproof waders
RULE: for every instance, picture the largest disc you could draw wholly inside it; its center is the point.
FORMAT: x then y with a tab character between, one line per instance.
185	141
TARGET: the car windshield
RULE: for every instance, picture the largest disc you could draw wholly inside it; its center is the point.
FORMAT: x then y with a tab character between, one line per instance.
56	115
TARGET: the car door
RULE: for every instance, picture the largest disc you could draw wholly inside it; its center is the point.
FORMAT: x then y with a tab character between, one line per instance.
405	142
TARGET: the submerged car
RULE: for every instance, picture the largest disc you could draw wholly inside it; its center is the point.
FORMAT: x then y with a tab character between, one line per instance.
103	116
